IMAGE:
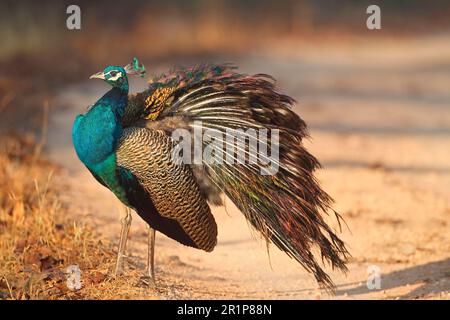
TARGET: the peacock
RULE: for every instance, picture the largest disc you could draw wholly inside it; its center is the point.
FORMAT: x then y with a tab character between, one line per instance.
127	143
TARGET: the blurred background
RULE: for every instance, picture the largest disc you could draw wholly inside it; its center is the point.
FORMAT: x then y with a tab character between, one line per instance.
377	103
42	53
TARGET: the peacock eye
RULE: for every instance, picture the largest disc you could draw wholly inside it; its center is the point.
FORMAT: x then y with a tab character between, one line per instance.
112	73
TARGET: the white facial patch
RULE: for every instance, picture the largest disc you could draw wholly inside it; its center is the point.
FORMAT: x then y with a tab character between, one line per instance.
117	76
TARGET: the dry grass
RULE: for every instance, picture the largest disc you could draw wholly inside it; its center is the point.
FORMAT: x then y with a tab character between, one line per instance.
38	241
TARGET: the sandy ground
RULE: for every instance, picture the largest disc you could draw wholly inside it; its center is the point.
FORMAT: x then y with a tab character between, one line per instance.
379	117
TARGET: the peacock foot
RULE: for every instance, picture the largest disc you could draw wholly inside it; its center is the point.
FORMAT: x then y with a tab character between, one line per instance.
147	281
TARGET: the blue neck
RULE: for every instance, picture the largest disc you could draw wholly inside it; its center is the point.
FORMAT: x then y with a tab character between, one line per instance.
95	134
116	99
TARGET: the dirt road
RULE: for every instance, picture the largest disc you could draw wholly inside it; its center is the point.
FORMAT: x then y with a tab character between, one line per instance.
379	117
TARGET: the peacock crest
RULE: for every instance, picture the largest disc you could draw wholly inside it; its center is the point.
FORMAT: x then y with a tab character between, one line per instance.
135	68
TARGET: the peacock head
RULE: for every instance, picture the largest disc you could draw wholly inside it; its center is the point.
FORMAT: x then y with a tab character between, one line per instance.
117	76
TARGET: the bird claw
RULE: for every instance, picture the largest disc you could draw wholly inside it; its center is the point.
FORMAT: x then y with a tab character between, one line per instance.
120	266
117	272
148	281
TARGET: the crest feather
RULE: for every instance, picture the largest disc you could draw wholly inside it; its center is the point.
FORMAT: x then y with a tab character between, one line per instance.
135	68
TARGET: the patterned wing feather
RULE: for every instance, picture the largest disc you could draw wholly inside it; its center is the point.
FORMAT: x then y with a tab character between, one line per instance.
171	187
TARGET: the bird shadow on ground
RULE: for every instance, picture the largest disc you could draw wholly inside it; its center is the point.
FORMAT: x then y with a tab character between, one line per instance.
337	163
432	276
383	131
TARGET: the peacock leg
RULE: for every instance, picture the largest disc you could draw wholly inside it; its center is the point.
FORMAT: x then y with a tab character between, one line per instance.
149	277
125	221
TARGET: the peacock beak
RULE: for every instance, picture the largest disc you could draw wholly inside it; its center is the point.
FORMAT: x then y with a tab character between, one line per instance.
98	75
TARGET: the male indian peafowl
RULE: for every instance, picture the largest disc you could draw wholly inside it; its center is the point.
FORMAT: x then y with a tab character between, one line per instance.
125	141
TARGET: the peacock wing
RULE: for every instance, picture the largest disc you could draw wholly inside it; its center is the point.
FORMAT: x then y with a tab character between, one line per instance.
287	207
171	187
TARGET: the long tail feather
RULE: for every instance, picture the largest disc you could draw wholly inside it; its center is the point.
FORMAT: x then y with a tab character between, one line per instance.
286	208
